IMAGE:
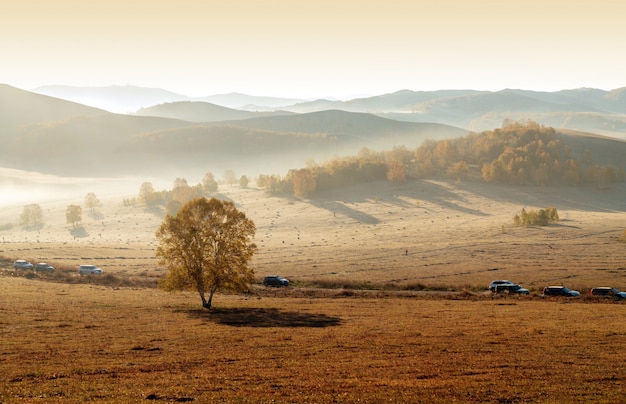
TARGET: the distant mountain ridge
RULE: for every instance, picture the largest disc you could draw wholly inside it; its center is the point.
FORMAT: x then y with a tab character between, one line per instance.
129	98
65	138
55	136
198	111
586	109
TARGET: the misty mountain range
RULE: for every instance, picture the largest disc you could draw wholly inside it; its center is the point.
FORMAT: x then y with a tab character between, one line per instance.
169	134
585	109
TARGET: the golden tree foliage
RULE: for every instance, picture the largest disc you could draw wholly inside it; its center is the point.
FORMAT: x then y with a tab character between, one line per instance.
542	217
207	247
303	182
74	214
396	172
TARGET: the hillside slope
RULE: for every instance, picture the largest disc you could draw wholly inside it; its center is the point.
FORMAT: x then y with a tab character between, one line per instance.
196	111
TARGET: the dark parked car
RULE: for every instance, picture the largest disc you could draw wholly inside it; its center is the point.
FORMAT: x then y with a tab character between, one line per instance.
608	292
493	284
42	266
559	291
275	280
511	288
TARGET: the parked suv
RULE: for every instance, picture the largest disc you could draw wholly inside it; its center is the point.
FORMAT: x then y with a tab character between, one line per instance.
511	288
275	280
559	291
42	266
89	269
493	284
608	292
22	264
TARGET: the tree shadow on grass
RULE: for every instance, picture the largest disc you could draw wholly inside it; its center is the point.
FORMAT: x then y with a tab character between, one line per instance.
79	232
263	317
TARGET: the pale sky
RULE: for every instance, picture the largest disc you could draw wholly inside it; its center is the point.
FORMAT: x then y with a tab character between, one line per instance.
308	49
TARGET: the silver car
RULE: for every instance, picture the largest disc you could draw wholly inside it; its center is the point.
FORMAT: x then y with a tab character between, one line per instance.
22	264
89	269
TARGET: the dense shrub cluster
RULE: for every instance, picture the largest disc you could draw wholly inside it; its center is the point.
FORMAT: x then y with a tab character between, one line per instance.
542	217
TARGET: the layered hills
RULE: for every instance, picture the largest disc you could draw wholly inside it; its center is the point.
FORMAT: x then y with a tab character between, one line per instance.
53	136
585	109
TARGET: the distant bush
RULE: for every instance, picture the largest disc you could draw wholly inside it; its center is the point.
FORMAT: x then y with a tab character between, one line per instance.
623	238
542	217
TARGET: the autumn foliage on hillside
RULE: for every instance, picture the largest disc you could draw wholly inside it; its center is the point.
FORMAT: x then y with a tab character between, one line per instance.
516	154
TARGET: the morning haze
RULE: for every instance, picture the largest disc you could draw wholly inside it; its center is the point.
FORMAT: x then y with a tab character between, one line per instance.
419	174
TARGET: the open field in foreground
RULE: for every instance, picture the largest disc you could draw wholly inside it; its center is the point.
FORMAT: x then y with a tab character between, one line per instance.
78	343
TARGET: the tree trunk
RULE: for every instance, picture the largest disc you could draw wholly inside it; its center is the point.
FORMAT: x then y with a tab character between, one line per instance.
208	304
204	302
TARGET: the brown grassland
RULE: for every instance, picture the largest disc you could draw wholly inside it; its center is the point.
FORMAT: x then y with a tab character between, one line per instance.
412	323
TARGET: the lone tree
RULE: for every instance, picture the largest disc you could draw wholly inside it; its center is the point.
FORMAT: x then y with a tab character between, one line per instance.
32	215
74	214
207	247
91	201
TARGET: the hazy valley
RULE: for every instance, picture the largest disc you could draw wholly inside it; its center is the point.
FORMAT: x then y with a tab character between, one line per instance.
389	272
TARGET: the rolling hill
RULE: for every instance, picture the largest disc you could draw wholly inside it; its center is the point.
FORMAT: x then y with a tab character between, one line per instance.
120	99
198	111
64	138
584	109
19	107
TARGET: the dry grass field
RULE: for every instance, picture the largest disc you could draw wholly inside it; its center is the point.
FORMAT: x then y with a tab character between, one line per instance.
457	235
77	342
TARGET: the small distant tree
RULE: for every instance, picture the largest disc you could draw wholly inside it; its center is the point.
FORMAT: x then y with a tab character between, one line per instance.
208	183
553	214
207	247
74	214
182	192
230	177
147	194
458	170
303	182
91	201
172	207
243	181
262	180
396	172
32	215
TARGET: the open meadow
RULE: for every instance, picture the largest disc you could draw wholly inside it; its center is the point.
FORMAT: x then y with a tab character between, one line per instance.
79	343
430	233
409	318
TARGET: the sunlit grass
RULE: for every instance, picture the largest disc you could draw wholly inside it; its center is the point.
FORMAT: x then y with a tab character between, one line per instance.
93	342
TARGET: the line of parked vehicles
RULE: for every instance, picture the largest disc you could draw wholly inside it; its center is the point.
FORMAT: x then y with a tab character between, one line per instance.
45	267
506	286
496	286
